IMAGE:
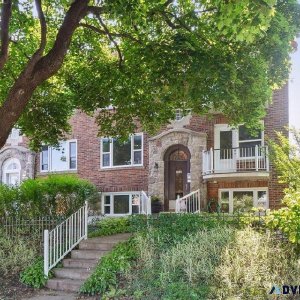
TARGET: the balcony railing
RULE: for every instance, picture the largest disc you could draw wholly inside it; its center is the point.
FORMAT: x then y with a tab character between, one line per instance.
251	159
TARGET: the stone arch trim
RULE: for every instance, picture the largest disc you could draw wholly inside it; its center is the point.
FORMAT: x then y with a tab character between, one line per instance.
24	155
158	147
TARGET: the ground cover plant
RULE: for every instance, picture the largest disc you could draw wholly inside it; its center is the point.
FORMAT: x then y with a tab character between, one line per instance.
109	226
193	256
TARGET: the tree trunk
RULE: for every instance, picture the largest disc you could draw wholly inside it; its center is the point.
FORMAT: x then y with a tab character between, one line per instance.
38	70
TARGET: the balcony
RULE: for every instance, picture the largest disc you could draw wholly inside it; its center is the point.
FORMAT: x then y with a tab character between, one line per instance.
236	162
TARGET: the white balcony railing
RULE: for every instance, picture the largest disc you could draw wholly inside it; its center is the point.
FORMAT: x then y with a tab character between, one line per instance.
216	161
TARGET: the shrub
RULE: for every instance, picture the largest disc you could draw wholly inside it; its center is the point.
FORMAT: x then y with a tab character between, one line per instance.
15	255
110	226
56	195
287	219
34	275
252	264
110	266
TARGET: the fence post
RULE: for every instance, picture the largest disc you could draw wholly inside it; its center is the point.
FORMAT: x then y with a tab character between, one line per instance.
46	252
86	220
256	158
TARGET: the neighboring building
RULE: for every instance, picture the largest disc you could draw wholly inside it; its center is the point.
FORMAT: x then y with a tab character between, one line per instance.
193	152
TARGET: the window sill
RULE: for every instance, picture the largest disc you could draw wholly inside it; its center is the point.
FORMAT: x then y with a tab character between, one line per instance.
121	168
44	173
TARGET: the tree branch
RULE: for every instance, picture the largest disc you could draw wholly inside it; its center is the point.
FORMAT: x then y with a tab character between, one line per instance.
115	34
43	24
112	40
4	31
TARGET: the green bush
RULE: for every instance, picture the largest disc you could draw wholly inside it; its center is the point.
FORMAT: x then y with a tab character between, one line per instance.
56	195
34	275
110	226
105	276
15	255
287	219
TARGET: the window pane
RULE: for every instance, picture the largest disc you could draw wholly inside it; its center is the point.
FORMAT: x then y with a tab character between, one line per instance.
107	209
137	160
242	201
105	145
106	160
107	200
121	153
121	204
244	134
262	199
59	160
224	202
135	209
45	152
137	142
73	154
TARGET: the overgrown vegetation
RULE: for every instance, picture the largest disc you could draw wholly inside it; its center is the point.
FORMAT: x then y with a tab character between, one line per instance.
56	195
193	256
105	276
34	275
15	254
110	226
285	156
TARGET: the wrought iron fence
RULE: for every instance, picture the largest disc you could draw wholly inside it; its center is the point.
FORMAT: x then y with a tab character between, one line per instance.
28	228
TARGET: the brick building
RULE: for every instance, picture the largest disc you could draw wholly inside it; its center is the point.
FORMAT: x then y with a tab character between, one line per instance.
227	165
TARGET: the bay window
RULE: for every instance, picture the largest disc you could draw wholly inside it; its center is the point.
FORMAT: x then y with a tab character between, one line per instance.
115	153
61	158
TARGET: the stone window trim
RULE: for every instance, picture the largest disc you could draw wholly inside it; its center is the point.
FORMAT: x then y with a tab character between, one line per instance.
110	153
109	205
68	157
254	190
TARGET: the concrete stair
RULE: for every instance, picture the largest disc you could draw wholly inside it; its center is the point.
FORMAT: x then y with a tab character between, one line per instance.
80	266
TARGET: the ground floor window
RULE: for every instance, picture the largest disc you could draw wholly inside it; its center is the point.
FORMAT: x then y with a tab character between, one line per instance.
242	200
123	203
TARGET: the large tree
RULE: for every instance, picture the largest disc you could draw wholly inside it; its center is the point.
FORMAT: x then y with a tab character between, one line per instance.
145	58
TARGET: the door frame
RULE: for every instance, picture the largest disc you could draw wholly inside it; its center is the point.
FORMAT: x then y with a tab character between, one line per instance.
222	164
167	154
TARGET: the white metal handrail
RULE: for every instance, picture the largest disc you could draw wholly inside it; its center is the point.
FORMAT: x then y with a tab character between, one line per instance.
64	237
236	160
145	207
189	203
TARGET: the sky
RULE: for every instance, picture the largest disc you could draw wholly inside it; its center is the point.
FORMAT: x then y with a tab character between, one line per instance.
294	89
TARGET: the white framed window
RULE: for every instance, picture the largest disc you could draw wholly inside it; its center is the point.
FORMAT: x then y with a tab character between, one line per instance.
115	153
243	199
121	203
248	141
11	172
61	158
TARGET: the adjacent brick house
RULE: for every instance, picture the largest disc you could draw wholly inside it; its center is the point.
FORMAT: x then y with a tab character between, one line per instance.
229	166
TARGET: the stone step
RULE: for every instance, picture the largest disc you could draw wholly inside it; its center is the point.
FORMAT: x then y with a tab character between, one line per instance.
79	263
86	245
61	284
88	254
72	273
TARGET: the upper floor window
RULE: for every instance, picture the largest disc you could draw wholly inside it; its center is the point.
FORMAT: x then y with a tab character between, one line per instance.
61	158
117	154
248	141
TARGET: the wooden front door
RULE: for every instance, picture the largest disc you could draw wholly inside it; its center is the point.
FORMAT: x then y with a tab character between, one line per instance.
178	179
177	168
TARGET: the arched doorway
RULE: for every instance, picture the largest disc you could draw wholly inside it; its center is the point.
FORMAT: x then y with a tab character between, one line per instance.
177	169
11	172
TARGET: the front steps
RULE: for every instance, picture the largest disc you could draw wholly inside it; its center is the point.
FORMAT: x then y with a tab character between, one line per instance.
80	266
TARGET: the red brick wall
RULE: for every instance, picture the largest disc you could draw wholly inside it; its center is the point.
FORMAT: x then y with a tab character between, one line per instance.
85	130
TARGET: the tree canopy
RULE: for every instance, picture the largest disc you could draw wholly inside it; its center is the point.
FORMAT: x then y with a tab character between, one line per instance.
145	58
